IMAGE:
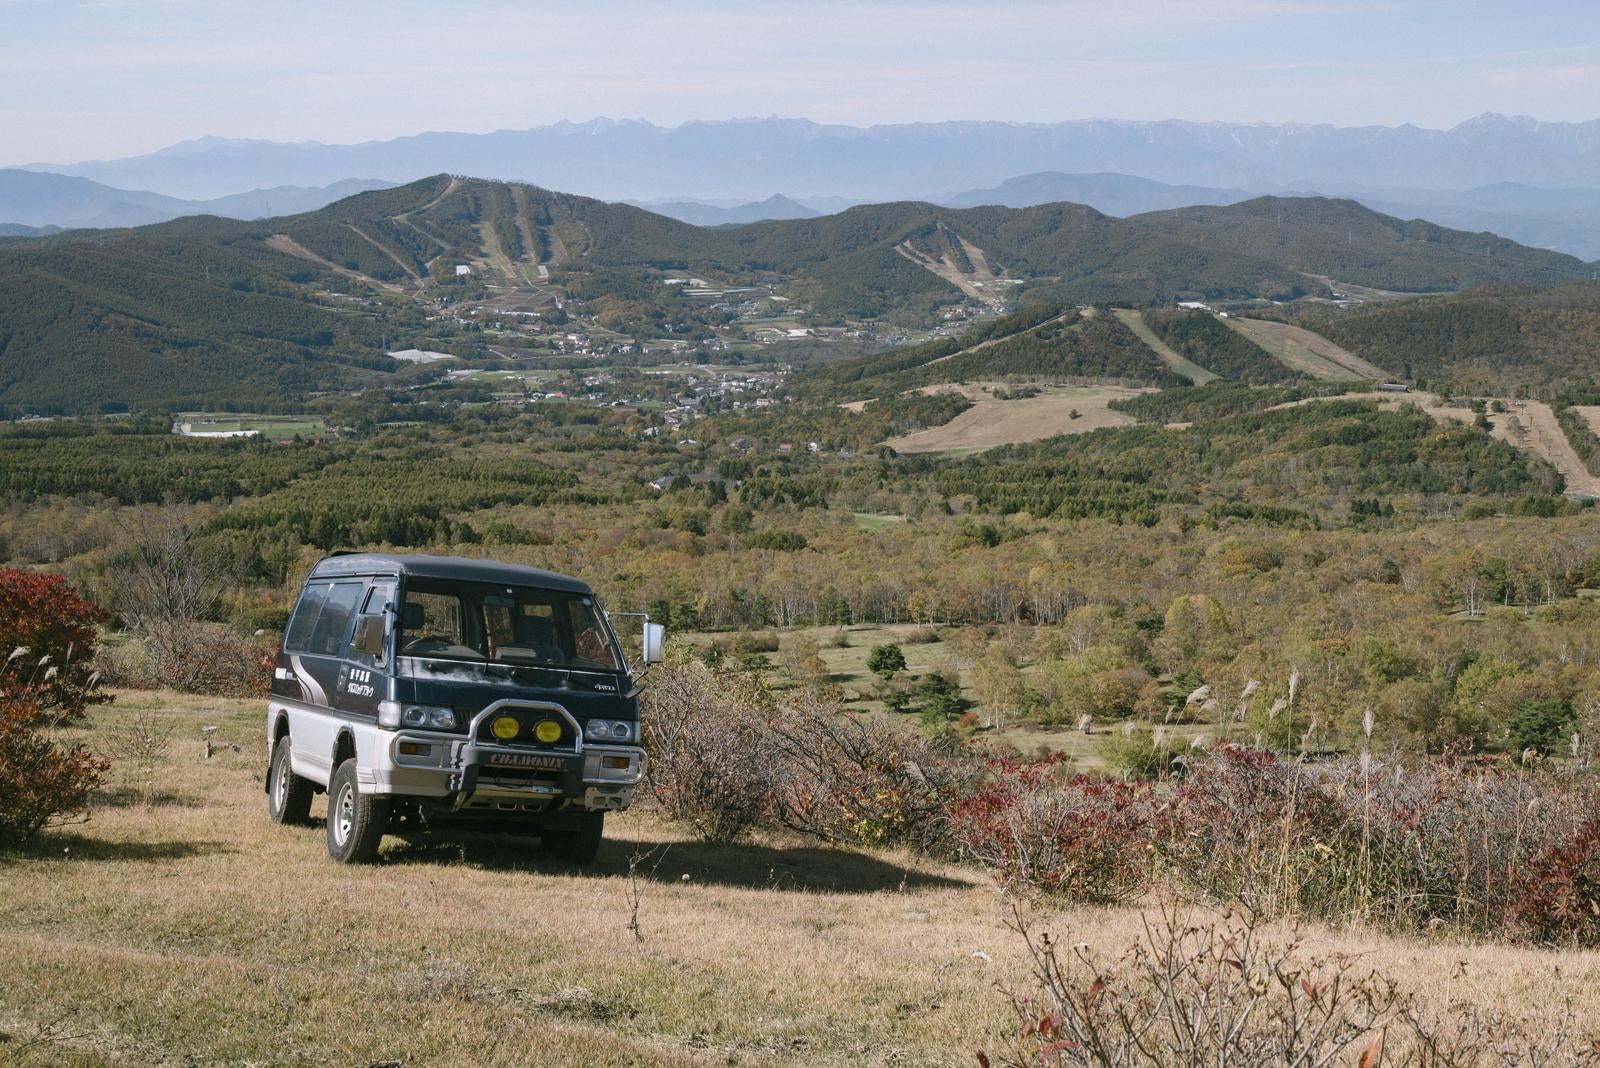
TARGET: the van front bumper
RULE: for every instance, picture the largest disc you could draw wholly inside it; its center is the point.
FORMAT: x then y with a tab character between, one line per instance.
466	773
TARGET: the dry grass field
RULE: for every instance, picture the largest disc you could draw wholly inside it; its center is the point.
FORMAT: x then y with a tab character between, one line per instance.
991	422
1532	425
1307	352
179	926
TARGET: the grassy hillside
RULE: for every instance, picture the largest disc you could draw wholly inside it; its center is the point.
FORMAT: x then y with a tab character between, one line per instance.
1351	243
145	319
1493	338
205	311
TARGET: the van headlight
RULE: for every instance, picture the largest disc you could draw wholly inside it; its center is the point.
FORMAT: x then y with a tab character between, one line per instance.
395	714
614	730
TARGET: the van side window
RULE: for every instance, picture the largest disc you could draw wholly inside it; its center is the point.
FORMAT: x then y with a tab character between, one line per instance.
297	639
372	621
333	623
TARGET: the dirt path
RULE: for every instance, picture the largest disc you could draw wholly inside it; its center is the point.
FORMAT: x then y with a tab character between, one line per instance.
1175	363
285	243
991	422
1306	352
1532	426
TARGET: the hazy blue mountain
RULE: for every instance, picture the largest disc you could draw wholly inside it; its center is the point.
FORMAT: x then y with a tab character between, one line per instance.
18	230
37	199
747	158
1112	194
1563	219
706	213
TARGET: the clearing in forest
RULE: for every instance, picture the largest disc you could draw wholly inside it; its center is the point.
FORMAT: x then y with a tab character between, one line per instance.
286	244
1306	352
1532	425
991	421
1174	362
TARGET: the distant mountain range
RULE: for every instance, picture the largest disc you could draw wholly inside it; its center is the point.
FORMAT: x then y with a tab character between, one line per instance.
1113	194
31	199
746	159
705	213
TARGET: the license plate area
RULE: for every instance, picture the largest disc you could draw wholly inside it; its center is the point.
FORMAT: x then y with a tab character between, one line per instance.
526	762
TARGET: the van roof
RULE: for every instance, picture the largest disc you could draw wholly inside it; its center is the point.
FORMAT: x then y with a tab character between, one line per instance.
445	567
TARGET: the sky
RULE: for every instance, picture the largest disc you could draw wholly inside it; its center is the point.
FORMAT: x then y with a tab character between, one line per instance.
100	79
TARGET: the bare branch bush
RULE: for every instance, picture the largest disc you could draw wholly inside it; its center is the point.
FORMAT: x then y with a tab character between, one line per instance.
141	744
863	781
1225	992
164	584
710	757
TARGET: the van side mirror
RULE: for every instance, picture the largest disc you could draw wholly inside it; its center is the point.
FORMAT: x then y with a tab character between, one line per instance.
369	636
655	642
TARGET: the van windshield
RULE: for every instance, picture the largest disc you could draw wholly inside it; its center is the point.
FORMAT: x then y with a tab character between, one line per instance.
507	624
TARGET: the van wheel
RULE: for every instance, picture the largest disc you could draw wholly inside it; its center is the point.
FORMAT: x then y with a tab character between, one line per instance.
288	795
356	820
576	842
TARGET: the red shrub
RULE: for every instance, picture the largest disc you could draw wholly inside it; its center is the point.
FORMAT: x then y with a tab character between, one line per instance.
39	780
44	616
1080	837
1560	902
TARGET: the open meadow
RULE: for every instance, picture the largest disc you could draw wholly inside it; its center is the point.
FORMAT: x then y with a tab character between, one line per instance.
993	421
180	926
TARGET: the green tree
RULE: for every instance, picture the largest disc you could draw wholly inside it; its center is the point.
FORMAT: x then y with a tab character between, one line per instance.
885	660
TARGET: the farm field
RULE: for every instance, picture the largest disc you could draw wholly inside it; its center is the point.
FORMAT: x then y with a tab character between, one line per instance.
991	421
1175	362
267	426
1306	352
180	926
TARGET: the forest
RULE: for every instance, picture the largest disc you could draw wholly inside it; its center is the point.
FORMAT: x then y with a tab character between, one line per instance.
1431	572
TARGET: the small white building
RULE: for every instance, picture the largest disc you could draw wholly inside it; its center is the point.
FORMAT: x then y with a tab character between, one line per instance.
462	270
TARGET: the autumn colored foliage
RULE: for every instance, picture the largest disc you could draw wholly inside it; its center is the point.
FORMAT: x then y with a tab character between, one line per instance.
54	627
46	679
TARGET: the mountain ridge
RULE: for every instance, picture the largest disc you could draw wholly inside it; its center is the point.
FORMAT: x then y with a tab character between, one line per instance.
747	158
203	309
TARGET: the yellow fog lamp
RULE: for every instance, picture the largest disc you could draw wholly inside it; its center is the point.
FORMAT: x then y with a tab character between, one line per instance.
548	731
505	728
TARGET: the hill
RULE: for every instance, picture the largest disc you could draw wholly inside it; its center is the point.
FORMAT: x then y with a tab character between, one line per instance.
1492	339
35	199
1344	240
144	320
702	213
200	309
1113	194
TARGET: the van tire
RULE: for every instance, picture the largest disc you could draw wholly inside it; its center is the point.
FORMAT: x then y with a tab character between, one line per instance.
288	795
356	820
576	842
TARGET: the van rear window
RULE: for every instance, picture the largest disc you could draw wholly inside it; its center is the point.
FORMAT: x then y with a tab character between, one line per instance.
322	619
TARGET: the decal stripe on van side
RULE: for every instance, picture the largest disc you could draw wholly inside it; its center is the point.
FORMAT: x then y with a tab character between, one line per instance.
313	687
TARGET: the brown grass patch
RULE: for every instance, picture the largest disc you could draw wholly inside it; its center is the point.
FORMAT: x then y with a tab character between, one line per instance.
991	422
202	933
